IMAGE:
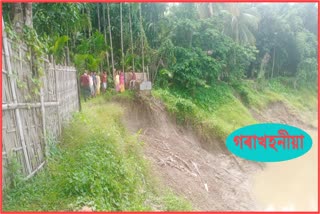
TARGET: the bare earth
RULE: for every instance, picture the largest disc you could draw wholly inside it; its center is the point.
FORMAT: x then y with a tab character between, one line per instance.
209	180
202	171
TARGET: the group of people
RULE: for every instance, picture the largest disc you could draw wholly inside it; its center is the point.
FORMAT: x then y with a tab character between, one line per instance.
119	80
91	83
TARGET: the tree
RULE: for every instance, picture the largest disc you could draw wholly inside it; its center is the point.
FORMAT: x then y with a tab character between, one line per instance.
28	14
240	22
131	37
121	31
22	16
110	34
142	38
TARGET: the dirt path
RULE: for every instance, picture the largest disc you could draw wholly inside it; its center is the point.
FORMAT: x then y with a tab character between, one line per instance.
209	180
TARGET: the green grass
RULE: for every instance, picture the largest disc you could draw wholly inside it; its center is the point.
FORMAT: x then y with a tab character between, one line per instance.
97	164
220	109
217	120
303	98
256	95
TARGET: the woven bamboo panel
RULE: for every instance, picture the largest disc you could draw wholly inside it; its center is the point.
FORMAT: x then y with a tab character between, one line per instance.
29	117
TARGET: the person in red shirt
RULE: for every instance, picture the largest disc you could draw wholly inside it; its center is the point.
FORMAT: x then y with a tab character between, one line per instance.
104	81
133	80
85	88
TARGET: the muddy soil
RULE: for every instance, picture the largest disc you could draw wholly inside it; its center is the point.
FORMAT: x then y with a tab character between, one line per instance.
295	182
203	171
212	180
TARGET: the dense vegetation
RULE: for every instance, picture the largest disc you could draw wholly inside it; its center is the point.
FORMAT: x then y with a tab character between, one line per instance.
211	64
84	169
185	45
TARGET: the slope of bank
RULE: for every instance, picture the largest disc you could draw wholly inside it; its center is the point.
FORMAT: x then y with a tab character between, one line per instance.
195	167
100	165
220	109
229	109
97	166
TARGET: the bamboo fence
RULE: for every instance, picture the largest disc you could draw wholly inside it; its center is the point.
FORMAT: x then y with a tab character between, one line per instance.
29	117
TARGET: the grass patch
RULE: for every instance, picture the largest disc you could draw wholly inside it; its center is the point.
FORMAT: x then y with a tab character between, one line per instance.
255	95
220	109
97	164
303	99
218	119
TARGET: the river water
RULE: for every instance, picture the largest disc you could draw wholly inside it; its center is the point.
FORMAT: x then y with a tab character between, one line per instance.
290	185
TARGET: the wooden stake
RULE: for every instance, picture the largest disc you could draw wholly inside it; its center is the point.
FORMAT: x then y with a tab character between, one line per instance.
14	96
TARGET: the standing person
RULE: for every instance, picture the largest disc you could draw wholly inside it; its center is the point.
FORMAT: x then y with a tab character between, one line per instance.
104	78
117	81
85	88
91	83
132	83
94	79
98	84
121	81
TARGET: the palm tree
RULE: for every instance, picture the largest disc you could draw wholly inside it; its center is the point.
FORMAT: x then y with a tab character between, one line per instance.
240	23
131	37
121	32
112	61
104	23
105	35
142	34
98	14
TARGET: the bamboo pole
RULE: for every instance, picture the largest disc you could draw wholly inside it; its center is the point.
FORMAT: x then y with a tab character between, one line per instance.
43	114
35	171
14	96
78	88
27	105
57	93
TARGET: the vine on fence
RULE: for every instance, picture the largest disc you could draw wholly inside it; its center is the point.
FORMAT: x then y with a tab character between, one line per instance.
35	53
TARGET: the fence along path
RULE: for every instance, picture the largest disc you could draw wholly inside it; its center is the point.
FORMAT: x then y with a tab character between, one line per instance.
28	118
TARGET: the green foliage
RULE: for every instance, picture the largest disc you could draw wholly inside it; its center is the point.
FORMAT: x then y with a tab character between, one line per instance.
59	19
86	62
303	99
97	164
36	50
165	78
308	72
174	203
194	69
58	49
211	113
13	175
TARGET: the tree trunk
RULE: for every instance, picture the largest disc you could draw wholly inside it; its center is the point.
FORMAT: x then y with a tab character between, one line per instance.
104	23
274	54
28	14
89	17
131	37
98	13
121	28
142	34
108	64
105	35
110	34
18	17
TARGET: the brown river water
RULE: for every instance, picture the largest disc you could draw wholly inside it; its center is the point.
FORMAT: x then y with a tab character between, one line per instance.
290	185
